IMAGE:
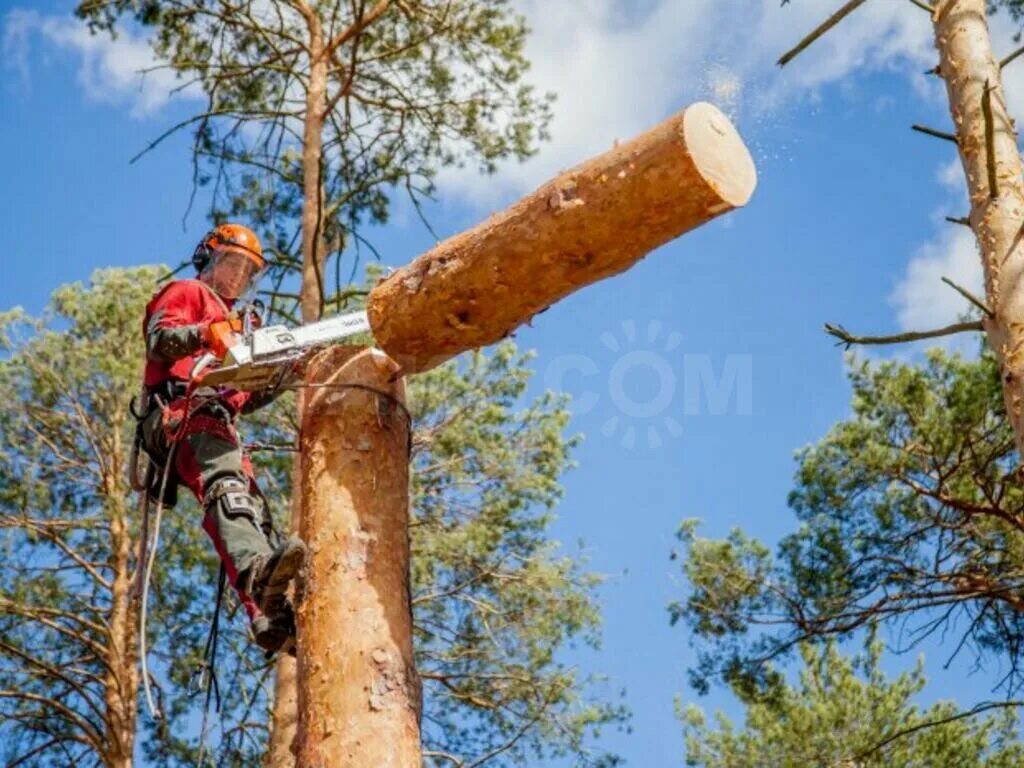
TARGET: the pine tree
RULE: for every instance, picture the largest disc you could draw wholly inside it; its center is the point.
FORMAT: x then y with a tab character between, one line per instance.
910	513
487	468
845	713
318	112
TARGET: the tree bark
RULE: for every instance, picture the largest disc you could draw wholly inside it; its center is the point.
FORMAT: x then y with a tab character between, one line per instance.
312	290
121	678
359	694
594	221
285	712
987	141
284	717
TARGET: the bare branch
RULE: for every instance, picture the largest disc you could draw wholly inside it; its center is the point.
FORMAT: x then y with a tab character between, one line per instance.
937	134
830	22
848	339
1012	57
356	28
969	296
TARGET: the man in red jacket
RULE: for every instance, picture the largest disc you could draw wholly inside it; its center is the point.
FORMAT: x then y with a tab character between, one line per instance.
197	433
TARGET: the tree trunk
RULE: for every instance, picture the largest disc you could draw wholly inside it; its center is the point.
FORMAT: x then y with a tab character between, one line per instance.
284	716
592	222
121	679
359	694
285	712
284	720
312	290
987	141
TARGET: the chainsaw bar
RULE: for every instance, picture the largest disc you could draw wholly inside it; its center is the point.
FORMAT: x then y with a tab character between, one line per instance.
265	356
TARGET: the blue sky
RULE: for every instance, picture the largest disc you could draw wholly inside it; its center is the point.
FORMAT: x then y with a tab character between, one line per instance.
845	226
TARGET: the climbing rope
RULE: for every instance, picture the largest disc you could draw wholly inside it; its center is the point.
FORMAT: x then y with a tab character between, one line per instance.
207	670
150	552
151	545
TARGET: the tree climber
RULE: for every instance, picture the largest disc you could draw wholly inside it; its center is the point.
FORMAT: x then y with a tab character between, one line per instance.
197	430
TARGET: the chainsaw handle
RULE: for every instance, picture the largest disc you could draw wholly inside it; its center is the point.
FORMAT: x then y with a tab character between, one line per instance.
204	362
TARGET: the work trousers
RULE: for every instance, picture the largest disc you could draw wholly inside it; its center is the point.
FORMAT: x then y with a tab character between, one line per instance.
210	462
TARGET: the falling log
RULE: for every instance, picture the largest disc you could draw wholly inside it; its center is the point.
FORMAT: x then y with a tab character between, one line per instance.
591	222
359	697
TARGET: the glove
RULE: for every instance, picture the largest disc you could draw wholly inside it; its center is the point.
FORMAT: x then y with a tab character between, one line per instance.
221	335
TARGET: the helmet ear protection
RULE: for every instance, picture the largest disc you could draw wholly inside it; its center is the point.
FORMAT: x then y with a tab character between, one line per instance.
201	255
225	235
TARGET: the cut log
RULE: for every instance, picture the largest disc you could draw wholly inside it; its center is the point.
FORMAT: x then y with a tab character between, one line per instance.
359	697
594	221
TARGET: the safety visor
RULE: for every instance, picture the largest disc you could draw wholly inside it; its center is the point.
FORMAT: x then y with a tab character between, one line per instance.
232	272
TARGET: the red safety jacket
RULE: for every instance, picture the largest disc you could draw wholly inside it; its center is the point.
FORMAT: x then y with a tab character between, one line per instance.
180	303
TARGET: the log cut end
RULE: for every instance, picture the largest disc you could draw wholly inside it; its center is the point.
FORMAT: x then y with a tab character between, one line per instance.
719	154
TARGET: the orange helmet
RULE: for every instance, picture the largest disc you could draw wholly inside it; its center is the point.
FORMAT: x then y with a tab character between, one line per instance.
229	259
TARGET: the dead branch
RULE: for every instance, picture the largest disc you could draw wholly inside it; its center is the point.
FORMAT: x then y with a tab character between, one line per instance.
848	340
970	297
933	132
1012	57
830	22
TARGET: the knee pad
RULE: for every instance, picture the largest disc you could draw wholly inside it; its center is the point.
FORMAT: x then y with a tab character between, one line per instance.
231	496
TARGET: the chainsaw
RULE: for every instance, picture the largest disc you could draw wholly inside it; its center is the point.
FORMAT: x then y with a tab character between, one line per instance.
252	358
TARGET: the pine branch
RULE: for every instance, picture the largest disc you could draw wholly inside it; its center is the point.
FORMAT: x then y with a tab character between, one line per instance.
848	339
173	272
970	297
932	132
830	22
361	23
940	721
1012	57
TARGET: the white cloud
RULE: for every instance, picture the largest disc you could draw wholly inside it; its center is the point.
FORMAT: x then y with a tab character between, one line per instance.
951	175
617	72
922	301
17	27
116	71
612	76
616	76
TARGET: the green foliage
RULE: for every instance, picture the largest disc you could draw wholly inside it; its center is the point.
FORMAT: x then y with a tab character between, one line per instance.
422	86
845	713
495	602
64	431
910	513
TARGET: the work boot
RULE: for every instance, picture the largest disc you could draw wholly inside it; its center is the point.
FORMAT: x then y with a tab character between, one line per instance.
277	634
268	577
